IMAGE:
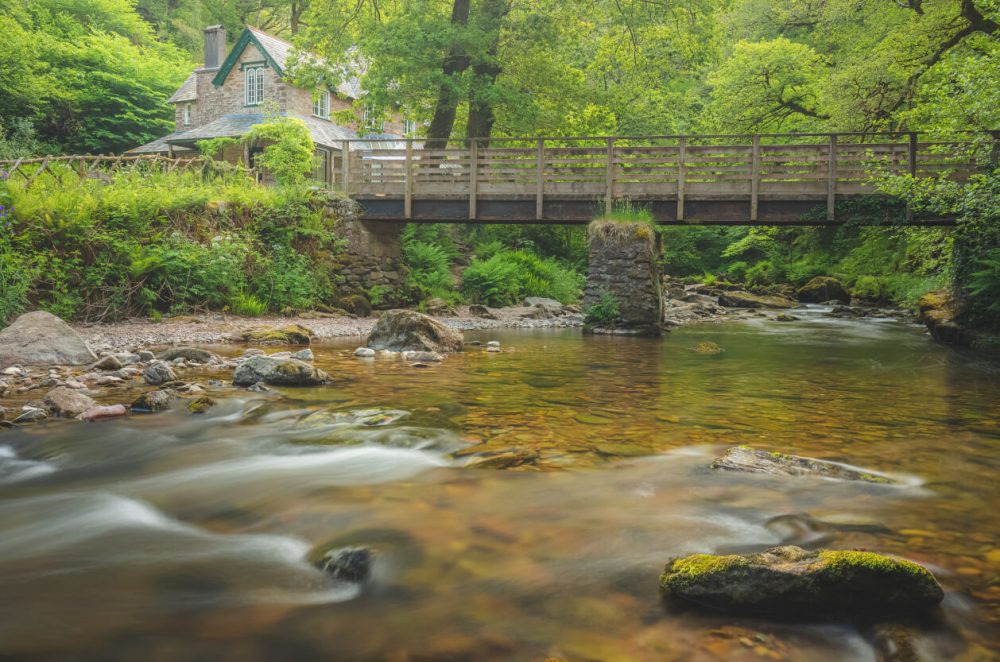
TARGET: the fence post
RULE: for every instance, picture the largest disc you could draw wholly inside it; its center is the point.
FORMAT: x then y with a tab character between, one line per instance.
681	147
540	181
754	175
610	192
408	190
473	177
345	164
831	178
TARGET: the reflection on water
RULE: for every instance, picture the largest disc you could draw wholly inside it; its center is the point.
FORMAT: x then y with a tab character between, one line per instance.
177	537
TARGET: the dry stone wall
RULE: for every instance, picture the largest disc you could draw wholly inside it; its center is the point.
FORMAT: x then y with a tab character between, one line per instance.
372	254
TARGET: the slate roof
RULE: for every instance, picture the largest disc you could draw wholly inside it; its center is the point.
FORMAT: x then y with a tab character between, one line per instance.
159	146
188	91
235	125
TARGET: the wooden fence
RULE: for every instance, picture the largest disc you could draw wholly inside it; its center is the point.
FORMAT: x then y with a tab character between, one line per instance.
30	170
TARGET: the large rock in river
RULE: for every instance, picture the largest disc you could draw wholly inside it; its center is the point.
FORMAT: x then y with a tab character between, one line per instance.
795	582
278	371
41	338
823	288
67	402
407	330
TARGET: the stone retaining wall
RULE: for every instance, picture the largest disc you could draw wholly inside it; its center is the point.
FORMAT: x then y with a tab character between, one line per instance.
372	254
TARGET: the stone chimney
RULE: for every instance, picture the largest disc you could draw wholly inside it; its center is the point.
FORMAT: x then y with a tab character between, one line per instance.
215	46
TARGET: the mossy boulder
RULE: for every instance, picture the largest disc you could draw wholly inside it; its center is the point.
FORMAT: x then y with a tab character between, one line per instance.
795	582
749	460
356	304
407	330
823	288
200	405
278	372
291	334
739	299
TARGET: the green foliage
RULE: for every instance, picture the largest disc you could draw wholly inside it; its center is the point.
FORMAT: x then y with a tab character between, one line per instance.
983	287
288	148
508	276
151	242
213	147
429	269
603	314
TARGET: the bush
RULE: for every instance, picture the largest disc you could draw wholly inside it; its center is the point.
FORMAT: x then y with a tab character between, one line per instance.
603	314
429	269
509	276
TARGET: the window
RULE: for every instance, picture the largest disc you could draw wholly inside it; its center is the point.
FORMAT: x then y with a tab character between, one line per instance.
253	86
187	114
409	128
321	106
321	166
371	120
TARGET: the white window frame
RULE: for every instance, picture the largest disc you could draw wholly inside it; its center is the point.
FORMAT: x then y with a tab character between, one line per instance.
366	114
253	86
321	106
409	128
186	115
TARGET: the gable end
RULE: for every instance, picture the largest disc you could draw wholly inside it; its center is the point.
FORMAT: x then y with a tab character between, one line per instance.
246	38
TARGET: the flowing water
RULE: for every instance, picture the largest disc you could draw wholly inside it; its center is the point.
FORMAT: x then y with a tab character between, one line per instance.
180	537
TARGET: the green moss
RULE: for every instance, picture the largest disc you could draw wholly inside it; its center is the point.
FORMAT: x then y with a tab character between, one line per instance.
842	561
708	348
200	405
691	568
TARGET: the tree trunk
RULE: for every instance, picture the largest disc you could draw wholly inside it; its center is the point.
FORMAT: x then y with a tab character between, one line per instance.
455	63
487	69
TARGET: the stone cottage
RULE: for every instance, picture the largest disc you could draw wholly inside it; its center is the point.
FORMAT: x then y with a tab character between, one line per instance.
232	91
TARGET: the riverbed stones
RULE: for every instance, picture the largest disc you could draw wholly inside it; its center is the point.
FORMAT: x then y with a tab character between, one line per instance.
103	412
622	268
504	460
364	353
278	372
153	401
422	356
749	460
41	338
192	354
407	330
738	299
158	373
795	582
109	363
67	402
823	288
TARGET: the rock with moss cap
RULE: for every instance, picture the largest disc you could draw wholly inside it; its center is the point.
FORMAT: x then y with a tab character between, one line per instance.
823	288
278	372
791	581
406	330
746	459
291	334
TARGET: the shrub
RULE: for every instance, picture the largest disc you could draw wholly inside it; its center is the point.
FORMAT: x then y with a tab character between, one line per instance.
603	314
247	305
509	276
429	267
288	152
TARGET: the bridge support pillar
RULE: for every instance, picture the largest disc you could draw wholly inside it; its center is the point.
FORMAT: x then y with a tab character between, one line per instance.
372	253
623	293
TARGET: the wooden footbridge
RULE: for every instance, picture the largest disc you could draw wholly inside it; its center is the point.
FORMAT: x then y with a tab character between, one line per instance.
764	179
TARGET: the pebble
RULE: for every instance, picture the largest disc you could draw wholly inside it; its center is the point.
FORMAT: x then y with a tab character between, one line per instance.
364	352
14	371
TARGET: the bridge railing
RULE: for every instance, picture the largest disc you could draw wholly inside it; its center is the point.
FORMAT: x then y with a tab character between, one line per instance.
754	168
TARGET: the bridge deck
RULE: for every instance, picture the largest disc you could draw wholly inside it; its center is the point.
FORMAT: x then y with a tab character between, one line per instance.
762	179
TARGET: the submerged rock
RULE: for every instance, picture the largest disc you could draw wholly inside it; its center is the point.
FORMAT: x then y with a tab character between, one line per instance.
41	338
504	460
349	564
823	288
708	348
422	356
792	581
406	330
200	405
742	458
279	372
67	402
292	334
364	352
193	354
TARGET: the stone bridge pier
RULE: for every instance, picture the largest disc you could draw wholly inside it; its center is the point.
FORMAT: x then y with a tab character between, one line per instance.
372	254
622	269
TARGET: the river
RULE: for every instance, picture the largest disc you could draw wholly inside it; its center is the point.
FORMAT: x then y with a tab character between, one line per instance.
179	537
